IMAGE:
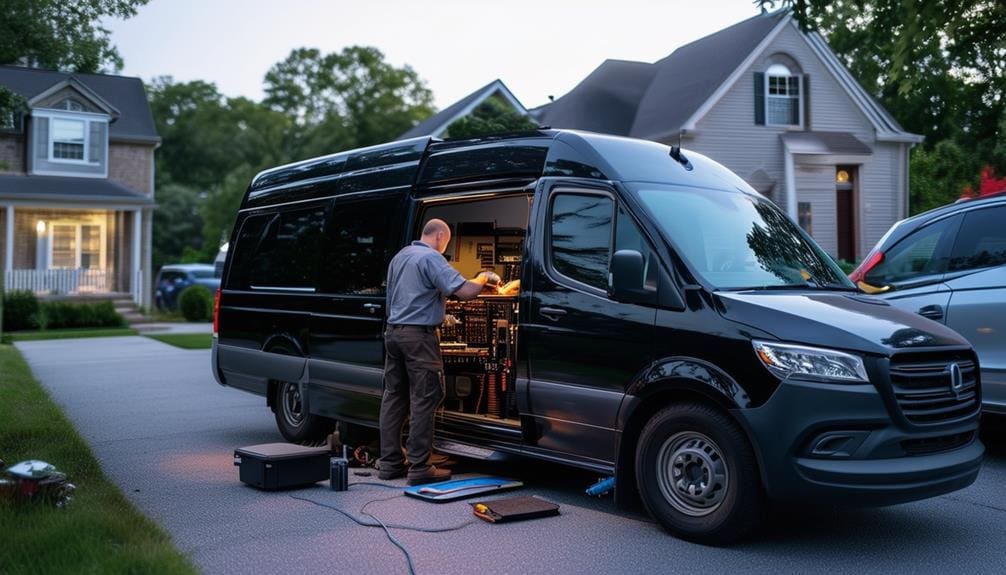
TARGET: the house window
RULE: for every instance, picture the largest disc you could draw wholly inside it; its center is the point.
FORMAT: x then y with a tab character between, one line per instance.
71	105
77	246
69	138
782	98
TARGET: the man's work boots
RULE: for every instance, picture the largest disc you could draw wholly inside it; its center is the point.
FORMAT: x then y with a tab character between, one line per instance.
393	473
429	475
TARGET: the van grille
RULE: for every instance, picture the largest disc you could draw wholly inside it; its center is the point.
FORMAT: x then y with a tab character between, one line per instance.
922	387
937	444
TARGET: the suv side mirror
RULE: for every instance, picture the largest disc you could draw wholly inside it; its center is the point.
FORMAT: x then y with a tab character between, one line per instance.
625	278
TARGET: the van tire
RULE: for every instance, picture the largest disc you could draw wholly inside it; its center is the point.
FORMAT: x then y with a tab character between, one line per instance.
697	474
294	423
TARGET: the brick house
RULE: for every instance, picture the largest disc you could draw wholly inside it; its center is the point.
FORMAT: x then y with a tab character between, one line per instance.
77	184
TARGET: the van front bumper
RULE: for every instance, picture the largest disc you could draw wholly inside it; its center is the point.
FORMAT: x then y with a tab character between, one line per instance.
883	463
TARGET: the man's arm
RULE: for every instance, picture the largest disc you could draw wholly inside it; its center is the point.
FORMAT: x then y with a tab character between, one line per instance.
473	287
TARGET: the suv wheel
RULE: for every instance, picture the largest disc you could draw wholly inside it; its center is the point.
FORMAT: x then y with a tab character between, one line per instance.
293	421
697	474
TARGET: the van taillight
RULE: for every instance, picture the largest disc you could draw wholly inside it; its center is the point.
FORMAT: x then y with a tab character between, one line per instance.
871	261
216	312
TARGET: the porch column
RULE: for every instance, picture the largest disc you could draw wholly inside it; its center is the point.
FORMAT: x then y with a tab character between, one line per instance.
134	283
791	207
8	245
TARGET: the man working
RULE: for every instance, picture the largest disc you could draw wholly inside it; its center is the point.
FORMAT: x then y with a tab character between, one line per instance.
419	282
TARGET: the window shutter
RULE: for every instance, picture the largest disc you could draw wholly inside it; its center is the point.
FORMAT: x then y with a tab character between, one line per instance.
41	139
96	152
805	101
759	98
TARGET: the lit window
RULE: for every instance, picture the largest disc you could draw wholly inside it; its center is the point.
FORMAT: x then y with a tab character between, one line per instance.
782	102
67	139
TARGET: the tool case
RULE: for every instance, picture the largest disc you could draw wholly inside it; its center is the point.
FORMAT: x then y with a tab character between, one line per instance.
272	466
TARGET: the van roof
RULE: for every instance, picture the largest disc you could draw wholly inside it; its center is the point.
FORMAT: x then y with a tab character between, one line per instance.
430	163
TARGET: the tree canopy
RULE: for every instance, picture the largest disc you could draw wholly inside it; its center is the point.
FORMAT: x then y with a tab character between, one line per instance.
61	35
490	117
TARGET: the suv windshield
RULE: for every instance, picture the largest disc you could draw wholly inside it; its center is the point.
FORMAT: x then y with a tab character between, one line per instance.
738	241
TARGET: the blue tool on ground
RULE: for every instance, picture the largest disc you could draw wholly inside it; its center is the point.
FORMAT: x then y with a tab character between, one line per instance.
461	488
601	487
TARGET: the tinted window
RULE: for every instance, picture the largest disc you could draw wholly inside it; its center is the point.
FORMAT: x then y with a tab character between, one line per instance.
628	236
244	248
581	237
920	254
982	240
287	252
360	241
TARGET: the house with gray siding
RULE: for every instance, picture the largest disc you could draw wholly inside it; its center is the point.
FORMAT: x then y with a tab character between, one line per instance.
775	105
77	184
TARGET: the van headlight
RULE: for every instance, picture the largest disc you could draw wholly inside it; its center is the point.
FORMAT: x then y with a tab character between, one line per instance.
786	360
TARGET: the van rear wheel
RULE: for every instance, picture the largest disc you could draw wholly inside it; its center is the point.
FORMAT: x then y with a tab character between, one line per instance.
697	474
293	420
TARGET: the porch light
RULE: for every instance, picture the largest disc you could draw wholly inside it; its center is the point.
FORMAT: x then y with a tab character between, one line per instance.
40	227
842	176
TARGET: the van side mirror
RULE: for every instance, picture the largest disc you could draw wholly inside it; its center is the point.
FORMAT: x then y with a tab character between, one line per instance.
625	278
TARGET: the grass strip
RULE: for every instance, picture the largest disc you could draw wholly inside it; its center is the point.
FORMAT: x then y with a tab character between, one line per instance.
100	531
67	333
185	340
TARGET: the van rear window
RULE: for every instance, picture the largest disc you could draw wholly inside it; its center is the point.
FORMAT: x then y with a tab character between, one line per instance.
278	250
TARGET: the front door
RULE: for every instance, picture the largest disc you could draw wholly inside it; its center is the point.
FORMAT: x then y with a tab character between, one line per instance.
845	212
583	349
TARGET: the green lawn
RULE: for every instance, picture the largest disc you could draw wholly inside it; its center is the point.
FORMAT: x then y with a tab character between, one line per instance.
100	531
66	333
186	340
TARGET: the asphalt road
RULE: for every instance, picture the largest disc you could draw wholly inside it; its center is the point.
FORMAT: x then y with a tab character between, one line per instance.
165	432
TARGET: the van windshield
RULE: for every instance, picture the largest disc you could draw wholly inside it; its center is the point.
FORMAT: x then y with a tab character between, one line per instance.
738	241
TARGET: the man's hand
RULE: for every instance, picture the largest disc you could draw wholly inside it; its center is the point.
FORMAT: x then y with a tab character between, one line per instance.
488	277
473	287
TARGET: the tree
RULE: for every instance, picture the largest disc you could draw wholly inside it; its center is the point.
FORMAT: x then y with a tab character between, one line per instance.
938	176
988	184
490	117
61	35
177	224
347	99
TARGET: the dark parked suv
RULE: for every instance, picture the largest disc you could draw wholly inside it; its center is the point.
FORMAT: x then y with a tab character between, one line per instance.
949	264
673	328
173	279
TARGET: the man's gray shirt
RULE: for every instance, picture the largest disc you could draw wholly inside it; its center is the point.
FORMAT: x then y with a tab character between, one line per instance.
419	281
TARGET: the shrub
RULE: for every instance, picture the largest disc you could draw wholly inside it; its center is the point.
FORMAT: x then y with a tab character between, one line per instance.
196	303
20	310
58	314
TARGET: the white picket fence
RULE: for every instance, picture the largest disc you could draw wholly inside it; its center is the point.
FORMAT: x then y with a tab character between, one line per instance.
59	281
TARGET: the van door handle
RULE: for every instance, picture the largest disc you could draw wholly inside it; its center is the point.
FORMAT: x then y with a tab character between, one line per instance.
552	313
372	307
934	312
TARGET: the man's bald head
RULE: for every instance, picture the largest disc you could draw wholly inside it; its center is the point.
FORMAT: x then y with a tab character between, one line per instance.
437	234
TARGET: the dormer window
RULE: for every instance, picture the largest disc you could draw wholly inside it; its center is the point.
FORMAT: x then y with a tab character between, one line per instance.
69	139
71	105
782	96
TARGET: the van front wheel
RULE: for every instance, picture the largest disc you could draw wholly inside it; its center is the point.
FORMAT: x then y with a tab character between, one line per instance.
293	420
697	474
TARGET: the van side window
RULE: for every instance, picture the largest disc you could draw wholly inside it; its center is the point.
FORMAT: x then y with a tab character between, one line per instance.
359	238
287	253
581	237
243	249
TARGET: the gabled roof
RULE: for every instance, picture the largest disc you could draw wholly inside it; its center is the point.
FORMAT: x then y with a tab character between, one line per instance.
122	94
605	101
437	123
692	74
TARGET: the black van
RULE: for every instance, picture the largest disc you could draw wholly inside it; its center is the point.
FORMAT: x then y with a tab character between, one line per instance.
674	328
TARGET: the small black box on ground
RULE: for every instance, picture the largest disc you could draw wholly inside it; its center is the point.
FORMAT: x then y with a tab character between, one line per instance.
281	465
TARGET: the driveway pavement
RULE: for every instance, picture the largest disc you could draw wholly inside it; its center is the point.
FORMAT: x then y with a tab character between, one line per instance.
165	432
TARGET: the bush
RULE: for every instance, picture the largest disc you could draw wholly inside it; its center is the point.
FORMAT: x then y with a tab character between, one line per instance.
847	266
59	314
20	310
196	303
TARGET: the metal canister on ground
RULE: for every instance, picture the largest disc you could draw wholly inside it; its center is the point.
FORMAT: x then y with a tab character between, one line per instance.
339	479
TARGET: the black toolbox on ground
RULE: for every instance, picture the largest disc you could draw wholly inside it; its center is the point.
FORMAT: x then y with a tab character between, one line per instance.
281	465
